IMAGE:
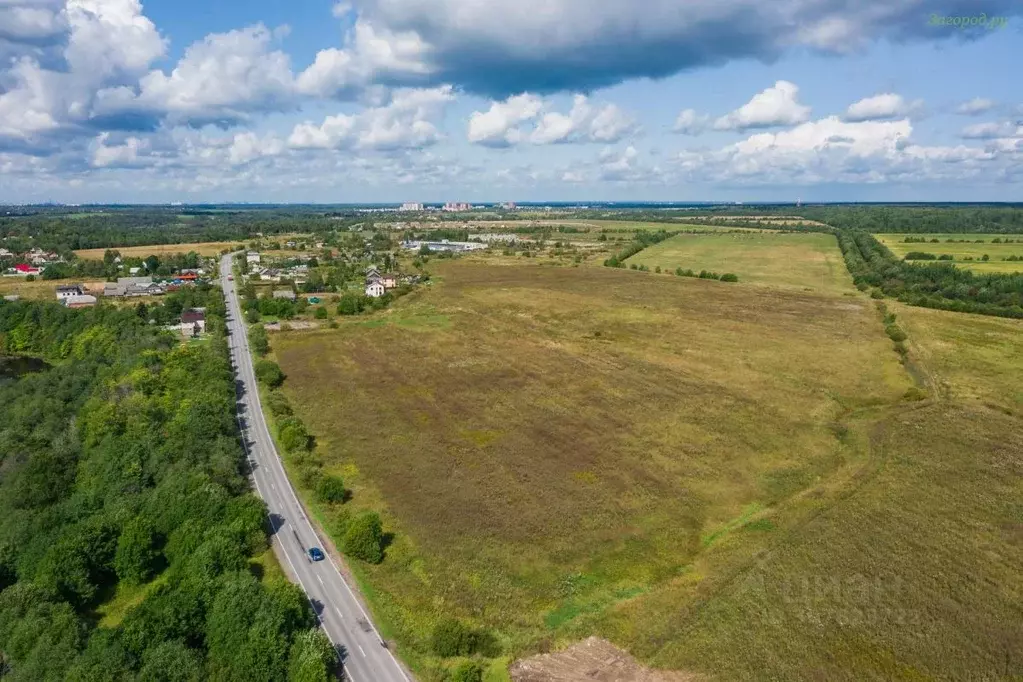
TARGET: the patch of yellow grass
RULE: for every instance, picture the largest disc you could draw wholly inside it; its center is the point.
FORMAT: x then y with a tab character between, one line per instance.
202	248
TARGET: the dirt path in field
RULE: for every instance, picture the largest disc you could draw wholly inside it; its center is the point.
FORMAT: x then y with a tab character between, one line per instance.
592	660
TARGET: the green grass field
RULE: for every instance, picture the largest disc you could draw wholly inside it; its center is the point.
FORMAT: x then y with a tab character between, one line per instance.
552	446
975	358
806	261
961	251
637	226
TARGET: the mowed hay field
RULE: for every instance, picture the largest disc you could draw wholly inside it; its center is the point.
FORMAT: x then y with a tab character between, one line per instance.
554	447
201	248
977	246
808	261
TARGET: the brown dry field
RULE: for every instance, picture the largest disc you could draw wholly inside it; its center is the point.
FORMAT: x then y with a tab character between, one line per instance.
549	444
202	248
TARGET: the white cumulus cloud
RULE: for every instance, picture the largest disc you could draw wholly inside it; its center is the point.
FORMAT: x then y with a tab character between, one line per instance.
775	106
881	107
505	123
975	106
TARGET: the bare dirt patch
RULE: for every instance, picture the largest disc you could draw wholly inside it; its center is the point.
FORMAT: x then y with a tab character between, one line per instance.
592	660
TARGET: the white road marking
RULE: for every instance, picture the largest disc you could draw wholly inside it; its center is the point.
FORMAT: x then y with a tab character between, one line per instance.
362	650
320	579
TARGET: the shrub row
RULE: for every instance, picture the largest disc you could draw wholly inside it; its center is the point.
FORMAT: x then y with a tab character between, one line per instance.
937	285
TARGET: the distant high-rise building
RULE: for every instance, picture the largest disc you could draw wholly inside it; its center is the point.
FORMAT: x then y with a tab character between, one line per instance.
457	206
412	206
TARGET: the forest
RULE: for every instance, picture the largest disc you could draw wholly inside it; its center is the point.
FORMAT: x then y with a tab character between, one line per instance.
64	231
121	472
919	219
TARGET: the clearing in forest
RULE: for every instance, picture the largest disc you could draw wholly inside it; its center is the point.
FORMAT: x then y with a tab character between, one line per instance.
967	250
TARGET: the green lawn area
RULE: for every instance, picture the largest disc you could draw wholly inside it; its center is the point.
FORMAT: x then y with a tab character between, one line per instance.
961	251
805	261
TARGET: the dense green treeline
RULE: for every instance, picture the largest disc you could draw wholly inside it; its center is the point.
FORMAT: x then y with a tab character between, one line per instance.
121	469
64	231
919	219
934	285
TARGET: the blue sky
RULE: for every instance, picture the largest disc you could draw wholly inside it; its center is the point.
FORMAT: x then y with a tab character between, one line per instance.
529	100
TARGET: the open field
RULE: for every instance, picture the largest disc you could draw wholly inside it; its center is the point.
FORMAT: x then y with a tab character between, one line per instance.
550	445
634	226
38	290
913	575
768	219
202	248
809	261
997	252
972	357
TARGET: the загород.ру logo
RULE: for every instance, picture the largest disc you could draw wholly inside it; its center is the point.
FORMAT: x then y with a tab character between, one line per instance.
981	21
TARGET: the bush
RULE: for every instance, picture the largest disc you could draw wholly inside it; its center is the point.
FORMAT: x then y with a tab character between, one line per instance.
269	373
467	671
331	489
876	294
729	277
292	434
351	304
364	538
252	316
450	638
258	340
895	333
920	255
320	314
278	405
453	638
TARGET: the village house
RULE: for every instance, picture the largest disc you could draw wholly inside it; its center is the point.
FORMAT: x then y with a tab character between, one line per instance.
81	301
69	291
285	294
193	321
4	253
23	270
375	289
252	257
133	286
270	275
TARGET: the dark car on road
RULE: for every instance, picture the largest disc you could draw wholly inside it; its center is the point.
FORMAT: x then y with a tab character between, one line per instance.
316	554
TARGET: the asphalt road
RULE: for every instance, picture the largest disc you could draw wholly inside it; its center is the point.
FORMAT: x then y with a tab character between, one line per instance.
340	612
